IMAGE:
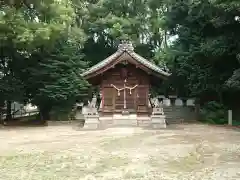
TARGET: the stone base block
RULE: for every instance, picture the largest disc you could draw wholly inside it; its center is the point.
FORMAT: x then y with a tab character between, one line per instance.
144	124
157	111
79	115
124	120
144	121
159	126
158	121
91	126
91	122
105	121
125	112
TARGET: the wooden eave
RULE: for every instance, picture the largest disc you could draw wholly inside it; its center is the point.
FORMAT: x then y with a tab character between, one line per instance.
130	57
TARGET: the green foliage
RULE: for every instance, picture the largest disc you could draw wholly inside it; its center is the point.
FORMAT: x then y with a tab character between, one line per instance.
107	22
60	114
45	45
55	76
29	25
236	122
234	81
205	52
59	73
214	113
40	58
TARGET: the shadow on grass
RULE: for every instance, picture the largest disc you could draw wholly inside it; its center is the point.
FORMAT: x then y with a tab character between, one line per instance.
199	157
169	127
29	121
33	121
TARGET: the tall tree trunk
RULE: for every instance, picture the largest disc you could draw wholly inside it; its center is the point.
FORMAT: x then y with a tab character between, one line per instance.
9	111
44	113
165	39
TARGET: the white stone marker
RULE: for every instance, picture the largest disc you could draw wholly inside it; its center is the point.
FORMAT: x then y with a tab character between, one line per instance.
166	102
230	117
178	102
190	102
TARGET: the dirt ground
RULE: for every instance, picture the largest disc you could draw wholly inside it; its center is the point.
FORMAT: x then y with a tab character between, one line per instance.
63	152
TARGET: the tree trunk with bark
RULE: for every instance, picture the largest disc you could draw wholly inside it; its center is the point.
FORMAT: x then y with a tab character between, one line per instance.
44	114
9	111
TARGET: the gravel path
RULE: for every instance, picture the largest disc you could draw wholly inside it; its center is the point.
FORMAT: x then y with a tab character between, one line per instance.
62	152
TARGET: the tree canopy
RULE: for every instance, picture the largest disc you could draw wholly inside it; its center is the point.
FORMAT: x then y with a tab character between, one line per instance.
206	50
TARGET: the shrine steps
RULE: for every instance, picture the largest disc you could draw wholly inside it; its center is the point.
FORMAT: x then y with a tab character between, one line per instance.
119	120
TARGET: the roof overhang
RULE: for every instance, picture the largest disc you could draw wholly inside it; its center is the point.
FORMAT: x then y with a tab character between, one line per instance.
123	51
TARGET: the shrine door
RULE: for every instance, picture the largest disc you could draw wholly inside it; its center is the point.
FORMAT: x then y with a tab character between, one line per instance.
142	100
125	100
109	99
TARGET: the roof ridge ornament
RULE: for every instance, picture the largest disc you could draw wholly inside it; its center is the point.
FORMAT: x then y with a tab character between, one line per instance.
125	46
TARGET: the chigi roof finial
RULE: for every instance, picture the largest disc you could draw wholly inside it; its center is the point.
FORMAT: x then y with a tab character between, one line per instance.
125	45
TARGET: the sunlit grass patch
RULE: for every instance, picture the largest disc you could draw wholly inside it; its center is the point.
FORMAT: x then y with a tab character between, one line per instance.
181	139
230	154
122	154
42	166
123	142
110	162
200	156
136	173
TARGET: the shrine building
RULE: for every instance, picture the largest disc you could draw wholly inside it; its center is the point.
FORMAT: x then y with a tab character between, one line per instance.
124	80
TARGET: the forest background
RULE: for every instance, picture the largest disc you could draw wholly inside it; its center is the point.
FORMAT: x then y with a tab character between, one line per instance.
46	44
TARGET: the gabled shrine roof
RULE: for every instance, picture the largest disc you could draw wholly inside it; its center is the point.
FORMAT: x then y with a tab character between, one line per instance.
126	47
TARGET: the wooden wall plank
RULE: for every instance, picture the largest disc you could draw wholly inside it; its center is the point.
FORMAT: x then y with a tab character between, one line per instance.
137	100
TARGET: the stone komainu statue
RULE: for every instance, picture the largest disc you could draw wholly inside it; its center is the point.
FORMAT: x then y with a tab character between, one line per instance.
155	102
93	102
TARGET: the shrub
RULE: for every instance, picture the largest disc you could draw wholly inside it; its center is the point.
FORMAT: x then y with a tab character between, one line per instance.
214	113
61	114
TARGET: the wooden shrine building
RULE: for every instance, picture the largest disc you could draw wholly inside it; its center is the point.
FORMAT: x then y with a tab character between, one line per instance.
125	79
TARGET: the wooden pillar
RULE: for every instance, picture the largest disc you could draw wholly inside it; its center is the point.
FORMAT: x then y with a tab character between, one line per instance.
113	100
102	91
136	96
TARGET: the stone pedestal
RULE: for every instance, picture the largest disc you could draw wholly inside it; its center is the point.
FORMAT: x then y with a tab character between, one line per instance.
157	110
91	121
79	115
158	121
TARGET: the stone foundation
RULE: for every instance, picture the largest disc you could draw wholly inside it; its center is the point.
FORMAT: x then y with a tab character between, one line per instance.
125	120
155	121
144	121
106	121
158	121
91	122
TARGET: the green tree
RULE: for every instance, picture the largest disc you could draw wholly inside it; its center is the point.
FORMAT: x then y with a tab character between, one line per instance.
27	29
110	21
55	77
204	56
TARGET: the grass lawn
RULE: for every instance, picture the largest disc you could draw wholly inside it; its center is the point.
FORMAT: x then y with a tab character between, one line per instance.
63	153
